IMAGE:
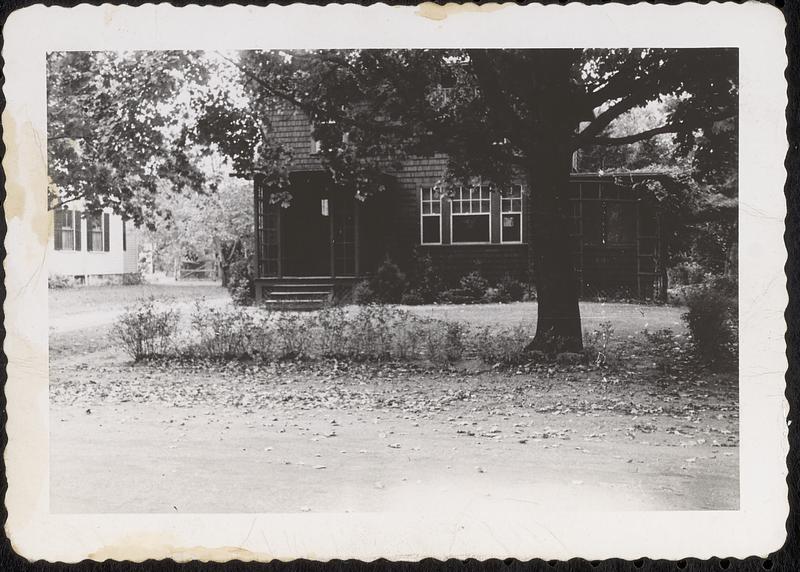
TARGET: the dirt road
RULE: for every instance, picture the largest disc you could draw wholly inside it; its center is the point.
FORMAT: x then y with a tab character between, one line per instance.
132	458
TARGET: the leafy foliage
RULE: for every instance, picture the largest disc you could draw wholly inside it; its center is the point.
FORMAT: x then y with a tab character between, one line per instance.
116	127
713	321
147	330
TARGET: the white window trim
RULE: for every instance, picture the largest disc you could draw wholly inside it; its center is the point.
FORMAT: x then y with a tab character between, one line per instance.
72	229
422	216
519	212
454	214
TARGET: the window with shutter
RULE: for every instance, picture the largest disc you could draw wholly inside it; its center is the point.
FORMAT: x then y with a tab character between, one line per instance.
94	233
64	230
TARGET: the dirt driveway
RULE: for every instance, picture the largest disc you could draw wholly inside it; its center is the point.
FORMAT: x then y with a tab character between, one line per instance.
332	437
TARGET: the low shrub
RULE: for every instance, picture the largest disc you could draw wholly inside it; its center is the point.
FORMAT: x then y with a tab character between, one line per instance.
444	342
332	335
504	347
474	285
363	293
687	274
510	290
472	289
58	281
223	333
146	330
241	282
712	319
385	287
293	334
664	347
596	344
413	298
370	332
426	279
133	278
457	296
408	339
389	283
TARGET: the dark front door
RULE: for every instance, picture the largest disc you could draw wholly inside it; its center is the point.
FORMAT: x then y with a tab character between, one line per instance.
307	234
344	236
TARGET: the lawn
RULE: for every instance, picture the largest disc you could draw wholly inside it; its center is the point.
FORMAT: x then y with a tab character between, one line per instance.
83	299
627	319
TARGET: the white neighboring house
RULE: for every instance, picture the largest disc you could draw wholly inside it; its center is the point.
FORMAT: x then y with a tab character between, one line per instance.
92	249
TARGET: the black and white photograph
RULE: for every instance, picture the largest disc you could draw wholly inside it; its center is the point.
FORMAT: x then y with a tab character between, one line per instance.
308	281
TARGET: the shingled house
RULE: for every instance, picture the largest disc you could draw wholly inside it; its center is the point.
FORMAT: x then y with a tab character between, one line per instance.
326	240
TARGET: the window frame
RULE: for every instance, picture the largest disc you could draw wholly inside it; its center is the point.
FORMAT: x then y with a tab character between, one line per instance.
510	200
431	201
62	228
101	217
459	198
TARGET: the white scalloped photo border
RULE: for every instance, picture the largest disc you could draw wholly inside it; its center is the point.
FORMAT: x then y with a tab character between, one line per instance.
757	528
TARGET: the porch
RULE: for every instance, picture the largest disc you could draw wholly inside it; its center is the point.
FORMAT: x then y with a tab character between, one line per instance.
316	247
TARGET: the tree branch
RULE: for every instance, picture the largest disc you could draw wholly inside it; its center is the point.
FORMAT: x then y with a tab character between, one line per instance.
627	139
64	202
605	118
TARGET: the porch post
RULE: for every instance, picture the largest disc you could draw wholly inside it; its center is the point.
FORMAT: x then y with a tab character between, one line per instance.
357	237
257	201
332	208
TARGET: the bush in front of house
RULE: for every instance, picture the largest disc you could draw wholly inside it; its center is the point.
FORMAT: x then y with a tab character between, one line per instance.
472	289
509	289
223	332
474	285
713	322
389	283
133	278
59	281
367	334
387	286
413	298
426	281
147	330
503	346
363	293
241	282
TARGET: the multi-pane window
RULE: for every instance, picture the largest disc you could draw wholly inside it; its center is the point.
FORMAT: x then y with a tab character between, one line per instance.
431	224
471	214
511	215
97	232
64	230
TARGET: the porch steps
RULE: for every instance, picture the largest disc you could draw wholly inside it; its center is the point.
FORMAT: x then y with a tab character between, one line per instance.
298	294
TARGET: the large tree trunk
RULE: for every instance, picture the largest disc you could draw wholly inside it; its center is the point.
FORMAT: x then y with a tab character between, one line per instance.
549	153
558	324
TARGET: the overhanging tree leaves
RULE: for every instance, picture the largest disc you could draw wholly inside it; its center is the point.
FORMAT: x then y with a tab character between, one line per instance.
117	127
496	114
